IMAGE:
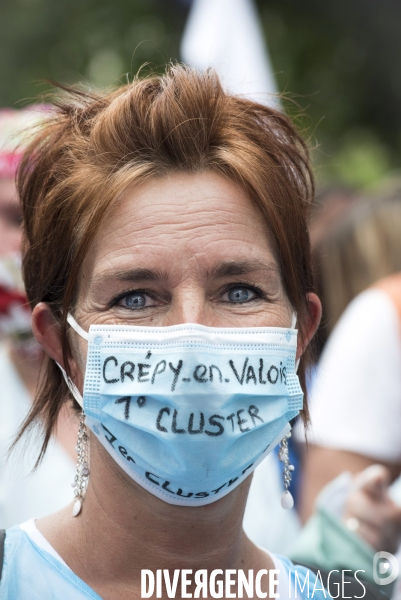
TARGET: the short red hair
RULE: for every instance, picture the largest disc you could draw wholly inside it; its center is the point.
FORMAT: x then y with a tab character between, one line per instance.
97	144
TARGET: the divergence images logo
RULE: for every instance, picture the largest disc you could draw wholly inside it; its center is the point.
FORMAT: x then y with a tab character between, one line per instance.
385	568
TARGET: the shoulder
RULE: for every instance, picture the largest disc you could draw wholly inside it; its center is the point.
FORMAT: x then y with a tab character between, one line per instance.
13	556
13	540
365	340
364	349
359	374
30	572
371	312
391	285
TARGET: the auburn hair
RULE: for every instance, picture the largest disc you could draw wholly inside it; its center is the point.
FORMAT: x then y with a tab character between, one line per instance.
96	144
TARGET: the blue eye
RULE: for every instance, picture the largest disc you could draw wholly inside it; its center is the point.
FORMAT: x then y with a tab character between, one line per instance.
239	295
137	300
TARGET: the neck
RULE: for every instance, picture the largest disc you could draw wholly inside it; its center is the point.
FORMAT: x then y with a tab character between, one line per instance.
164	535
122	525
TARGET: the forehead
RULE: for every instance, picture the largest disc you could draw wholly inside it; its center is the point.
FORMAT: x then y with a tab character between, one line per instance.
181	218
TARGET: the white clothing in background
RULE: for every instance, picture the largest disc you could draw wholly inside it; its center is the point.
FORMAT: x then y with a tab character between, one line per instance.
266	523
24	495
227	35
356	398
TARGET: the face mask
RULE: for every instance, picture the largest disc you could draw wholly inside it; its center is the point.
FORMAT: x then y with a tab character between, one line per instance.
189	411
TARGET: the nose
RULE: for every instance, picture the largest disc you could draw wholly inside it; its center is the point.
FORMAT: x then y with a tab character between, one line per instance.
188	305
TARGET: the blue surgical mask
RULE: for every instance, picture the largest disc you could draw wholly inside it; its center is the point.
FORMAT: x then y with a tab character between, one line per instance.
189	411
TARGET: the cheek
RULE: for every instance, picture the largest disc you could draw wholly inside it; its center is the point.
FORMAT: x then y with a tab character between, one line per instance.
79	349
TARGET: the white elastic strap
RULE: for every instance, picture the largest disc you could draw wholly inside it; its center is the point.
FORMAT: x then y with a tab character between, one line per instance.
71	321
293	326
71	386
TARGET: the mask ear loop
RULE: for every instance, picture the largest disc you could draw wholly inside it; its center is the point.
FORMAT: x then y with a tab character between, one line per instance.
81	478
70	384
77	328
294	326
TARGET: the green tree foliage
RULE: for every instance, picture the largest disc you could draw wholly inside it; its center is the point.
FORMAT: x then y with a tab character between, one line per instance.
97	41
341	62
338	60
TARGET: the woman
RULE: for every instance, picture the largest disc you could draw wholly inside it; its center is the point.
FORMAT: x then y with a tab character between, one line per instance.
166	261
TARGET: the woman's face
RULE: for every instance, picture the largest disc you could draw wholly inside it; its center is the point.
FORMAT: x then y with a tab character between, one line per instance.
182	249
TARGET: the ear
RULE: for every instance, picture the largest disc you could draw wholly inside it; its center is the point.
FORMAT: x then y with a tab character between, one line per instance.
47	332
313	317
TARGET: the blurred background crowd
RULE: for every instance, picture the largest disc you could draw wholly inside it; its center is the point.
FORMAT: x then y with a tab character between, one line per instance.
333	67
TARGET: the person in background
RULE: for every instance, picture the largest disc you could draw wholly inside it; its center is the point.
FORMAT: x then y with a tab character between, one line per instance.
359	266
22	494
356	394
355	242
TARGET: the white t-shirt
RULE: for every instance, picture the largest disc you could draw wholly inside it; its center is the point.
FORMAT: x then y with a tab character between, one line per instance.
24	494
356	397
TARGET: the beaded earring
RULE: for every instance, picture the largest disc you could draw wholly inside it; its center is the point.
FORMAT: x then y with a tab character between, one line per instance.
80	482
287	501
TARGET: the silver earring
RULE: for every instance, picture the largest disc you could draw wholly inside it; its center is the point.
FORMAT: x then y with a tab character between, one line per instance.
287	501
80	482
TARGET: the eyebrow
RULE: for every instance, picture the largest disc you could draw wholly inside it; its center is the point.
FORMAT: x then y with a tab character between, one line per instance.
132	275
221	270
229	268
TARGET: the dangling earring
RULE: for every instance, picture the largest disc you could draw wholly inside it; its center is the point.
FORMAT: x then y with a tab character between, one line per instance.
80	482
287	501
